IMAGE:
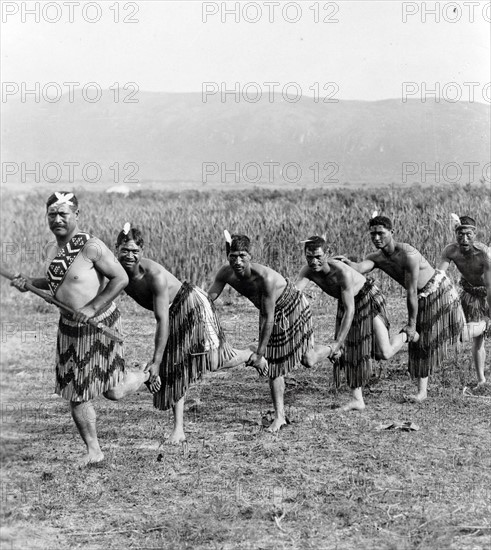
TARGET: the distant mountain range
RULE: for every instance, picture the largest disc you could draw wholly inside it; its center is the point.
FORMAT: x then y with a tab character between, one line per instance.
180	138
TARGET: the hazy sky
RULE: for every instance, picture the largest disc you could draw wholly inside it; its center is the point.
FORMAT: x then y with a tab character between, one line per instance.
369	53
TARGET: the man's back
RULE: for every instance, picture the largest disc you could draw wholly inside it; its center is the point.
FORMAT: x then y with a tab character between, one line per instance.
339	277
397	264
150	279
258	281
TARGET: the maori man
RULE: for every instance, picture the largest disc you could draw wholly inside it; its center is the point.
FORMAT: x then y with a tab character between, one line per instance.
189	340
362	326
286	333
433	304
473	260
83	274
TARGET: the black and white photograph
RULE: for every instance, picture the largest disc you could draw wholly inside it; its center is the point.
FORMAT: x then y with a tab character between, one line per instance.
246	275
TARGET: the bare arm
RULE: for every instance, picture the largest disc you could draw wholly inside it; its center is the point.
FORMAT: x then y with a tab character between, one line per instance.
50	251
365	266
20	282
266	323
444	260
266	319
160	292
302	279
107	265
348	301
218	285
411	283
40	282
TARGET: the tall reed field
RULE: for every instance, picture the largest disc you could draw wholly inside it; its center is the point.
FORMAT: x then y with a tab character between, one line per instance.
328	480
184	231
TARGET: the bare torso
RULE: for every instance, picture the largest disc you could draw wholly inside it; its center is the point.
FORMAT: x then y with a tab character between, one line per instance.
395	265
253	287
472	265
140	287
336	278
82	282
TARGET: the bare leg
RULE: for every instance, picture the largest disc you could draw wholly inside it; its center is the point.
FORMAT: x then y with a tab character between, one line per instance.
479	357
318	353
177	436
241	356
85	419
422	391
387	348
357	403
131	382
277	386
473	330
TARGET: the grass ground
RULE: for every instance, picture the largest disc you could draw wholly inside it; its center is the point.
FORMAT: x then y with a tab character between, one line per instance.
329	480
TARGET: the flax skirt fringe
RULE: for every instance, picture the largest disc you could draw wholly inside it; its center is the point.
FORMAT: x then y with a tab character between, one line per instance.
196	345
88	363
474	302
293	332
360	344
439	322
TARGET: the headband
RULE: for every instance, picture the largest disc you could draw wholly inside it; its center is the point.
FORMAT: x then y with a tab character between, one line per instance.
323	236
63	199
459	225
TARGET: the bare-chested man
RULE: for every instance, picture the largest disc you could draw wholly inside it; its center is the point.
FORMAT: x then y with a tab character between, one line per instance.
83	274
362	326
433	304
473	260
286	333
189	340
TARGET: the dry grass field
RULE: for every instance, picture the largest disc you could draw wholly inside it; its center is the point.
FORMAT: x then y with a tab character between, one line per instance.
329	480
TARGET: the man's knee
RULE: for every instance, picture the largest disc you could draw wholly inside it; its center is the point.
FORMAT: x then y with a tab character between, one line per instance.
382	355
308	360
114	394
276	380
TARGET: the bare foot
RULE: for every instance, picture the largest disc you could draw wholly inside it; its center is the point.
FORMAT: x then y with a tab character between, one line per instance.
92	457
354	405
313	356
177	436
418	398
481	383
277	424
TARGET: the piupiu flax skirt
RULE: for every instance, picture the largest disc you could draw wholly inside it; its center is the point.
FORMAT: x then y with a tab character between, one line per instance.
88	363
360	344
293	332
474	301
196	345
439	323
